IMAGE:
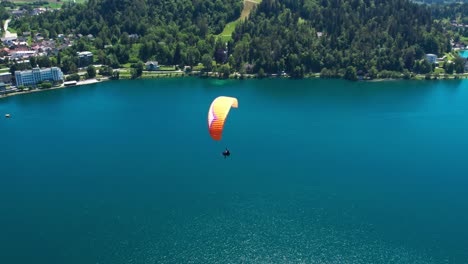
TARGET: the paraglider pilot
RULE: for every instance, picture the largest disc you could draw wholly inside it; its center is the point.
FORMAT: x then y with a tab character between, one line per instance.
226	153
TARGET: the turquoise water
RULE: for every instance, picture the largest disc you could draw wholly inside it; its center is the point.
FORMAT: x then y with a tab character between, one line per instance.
464	53
321	171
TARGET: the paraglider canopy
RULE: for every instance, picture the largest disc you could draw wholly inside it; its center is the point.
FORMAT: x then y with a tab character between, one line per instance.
217	114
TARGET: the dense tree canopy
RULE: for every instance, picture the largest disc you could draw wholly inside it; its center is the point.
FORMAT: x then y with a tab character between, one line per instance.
366	34
333	37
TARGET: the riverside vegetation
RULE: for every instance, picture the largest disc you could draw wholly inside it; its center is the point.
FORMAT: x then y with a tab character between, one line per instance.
326	38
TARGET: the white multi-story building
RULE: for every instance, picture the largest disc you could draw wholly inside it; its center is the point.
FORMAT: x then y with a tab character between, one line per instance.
36	75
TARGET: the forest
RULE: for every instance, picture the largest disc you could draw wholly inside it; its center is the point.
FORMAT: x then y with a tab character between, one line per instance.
336	38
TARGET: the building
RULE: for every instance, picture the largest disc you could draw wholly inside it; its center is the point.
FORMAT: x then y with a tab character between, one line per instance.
10	40
152	66
85	58
19	54
432	58
37	75
70	83
5	77
2	88
18	13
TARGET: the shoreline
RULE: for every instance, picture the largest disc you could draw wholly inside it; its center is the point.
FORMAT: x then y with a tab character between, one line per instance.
62	86
234	77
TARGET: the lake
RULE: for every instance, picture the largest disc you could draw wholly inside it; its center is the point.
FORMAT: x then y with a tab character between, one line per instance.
321	171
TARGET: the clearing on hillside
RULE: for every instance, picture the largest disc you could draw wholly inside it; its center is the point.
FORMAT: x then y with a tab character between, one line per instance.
249	5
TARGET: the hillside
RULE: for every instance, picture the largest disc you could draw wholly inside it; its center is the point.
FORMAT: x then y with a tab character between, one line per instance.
249	5
331	35
334	37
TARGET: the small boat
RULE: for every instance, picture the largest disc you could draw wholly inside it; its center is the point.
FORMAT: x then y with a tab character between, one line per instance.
7	115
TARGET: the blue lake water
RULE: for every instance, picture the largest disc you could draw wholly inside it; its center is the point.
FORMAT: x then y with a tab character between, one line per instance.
321	171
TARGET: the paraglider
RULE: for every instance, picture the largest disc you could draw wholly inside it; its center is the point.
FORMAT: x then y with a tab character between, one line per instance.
226	153
217	114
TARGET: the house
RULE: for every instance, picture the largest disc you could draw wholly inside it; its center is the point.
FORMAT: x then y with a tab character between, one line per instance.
5	77
23	44
18	13
19	54
152	66
133	36
23	61
8	41
432	58
85	58
38	11
48	44
5	51
36	48
458	46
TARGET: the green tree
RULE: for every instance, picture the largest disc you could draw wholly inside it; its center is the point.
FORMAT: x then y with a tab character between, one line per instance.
449	67
261	73
105	70
73	77
193	56
133	73
225	70
124	39
46	85
115	75
139	68
459	64
373	72
278	35
424	67
91	70
207	62
350	73
298	72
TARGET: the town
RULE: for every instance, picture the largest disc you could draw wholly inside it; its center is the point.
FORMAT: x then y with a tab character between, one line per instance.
29	61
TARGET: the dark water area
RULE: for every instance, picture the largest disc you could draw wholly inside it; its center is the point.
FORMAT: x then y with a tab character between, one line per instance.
321	171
